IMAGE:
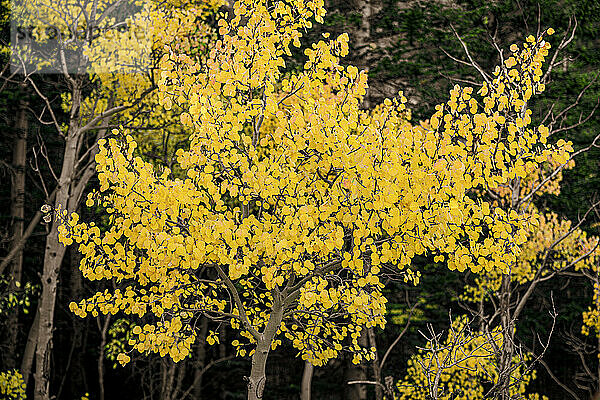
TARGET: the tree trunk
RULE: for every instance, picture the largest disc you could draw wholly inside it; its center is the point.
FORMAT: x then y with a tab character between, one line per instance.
363	34
18	247
53	257
29	352
258	377
305	390
18	222
507	350
181	372
169	369
354	372
200	359
480	309
103	330
375	365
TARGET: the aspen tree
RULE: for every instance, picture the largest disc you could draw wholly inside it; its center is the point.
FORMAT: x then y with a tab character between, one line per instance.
290	186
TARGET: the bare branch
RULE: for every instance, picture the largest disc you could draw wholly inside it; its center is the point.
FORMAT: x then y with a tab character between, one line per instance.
471	60
238	302
28	232
395	342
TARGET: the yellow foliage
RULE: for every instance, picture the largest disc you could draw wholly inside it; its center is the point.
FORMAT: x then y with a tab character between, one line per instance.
591	317
462	367
294	198
551	246
12	385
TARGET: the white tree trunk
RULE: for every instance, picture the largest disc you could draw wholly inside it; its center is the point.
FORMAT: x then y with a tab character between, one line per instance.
258	376
53	256
305	389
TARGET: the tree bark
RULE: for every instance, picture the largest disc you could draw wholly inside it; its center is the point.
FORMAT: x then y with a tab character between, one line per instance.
355	372
363	41
18	222
363	34
103	331
181	372
169	370
258	377
68	195
305	390
53	257
507	350
200	359
598	370
375	365
29	352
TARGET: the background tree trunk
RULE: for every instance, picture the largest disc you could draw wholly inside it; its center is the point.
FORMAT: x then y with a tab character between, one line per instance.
18	222
507	350
375	365
103	330
363	41
354	372
200	359
305	390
